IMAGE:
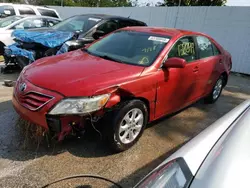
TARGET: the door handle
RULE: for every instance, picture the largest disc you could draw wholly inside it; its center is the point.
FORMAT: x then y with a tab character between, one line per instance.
196	68
220	61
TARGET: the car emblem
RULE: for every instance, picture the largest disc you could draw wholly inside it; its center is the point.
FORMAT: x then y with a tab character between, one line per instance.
22	87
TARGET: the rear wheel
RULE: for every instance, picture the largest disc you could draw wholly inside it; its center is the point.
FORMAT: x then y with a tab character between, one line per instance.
216	92
128	125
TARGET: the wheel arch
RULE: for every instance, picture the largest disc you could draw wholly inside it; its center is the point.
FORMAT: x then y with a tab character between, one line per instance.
225	76
144	100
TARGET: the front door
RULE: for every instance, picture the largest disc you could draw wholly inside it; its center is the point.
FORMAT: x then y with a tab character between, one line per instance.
177	87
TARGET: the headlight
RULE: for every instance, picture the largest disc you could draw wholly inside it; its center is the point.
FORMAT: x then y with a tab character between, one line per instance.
80	105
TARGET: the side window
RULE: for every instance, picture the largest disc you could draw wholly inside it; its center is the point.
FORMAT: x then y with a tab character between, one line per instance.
26	10
215	50
204	47
45	12
108	26
184	48
125	23
6	10
31	23
51	23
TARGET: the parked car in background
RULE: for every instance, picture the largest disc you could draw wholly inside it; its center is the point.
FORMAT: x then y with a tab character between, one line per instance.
217	158
12	23
129	78
71	34
9	9
9	24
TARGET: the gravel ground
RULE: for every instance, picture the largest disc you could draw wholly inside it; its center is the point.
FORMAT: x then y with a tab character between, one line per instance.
34	166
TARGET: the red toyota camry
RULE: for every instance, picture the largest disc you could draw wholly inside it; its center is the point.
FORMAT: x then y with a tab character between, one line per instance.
125	80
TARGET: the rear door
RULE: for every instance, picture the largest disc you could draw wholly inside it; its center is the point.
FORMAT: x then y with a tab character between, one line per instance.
209	68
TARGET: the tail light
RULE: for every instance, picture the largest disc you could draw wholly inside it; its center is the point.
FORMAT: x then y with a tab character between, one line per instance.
170	175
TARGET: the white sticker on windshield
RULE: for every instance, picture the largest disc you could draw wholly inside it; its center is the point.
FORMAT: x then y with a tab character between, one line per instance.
159	39
94	19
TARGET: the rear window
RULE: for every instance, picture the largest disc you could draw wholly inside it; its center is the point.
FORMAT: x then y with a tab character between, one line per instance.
46	12
26	10
6	10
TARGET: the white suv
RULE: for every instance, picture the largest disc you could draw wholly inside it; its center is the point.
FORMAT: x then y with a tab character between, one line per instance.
9	9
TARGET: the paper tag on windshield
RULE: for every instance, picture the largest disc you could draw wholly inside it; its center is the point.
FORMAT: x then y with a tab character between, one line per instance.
94	19
159	39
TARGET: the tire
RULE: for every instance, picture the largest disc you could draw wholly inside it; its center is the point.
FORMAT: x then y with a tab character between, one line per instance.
117	138
1	49
216	92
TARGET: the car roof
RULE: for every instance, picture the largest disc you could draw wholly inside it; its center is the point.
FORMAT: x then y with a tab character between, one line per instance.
107	16
163	31
27	5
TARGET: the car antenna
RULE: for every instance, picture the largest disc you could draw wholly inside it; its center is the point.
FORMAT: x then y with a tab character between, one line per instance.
129	14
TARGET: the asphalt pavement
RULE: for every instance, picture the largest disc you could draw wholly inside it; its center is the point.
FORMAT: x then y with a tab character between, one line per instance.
31	165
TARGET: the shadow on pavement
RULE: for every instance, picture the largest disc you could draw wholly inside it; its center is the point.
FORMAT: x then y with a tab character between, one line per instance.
159	140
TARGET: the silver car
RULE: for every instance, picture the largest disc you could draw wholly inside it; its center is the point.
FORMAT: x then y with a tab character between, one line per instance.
219	157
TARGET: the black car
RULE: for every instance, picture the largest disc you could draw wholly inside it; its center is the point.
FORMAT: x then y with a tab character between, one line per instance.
85	28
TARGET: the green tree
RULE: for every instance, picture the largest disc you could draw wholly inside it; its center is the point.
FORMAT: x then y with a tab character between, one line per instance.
194	2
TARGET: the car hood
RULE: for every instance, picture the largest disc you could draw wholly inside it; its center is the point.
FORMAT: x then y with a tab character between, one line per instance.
79	74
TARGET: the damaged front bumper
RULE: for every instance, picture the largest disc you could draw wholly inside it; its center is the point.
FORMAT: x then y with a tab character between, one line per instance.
34	103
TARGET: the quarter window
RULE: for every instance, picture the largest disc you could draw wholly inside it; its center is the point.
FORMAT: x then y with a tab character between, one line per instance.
26	10
184	48
215	50
205	47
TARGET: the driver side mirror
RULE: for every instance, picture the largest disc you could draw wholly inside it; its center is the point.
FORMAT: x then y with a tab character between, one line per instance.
98	34
174	62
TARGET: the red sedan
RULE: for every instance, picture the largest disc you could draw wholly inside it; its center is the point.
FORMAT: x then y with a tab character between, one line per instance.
125	80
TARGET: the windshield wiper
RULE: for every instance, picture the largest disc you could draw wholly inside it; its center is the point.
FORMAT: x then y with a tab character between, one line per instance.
111	58
87	51
103	56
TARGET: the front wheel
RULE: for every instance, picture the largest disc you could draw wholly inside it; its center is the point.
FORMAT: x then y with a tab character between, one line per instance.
216	92
128	125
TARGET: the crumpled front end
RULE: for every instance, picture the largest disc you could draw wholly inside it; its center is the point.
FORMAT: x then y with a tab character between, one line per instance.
33	103
50	39
15	50
33	45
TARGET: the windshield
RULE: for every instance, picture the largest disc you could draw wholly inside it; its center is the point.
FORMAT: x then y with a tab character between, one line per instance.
77	23
9	20
130	47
